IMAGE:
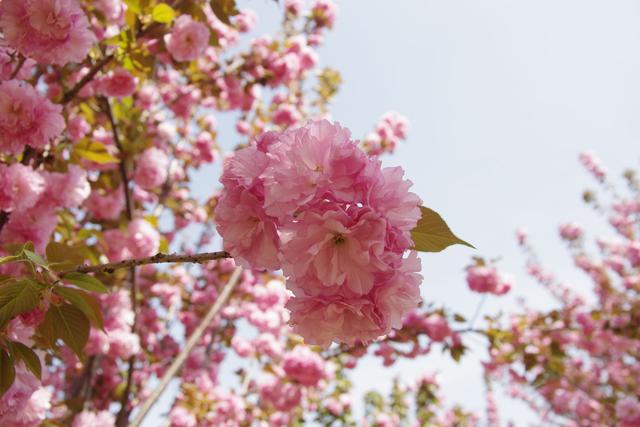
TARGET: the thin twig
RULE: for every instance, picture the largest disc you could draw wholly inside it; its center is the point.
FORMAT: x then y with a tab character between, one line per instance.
68	96
191	343
477	313
123	415
122	166
156	259
4	218
18	67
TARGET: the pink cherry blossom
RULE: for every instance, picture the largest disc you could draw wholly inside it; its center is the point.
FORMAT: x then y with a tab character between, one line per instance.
322	320
35	224
94	419
21	187
310	200
593	165
486	279
437	327
336	249
308	163
188	39
76	186
570	231
324	12
283	396
304	366
117	83
143	239
151	168
26	117
286	115
628	411
250	235
106	205
23	405
49	31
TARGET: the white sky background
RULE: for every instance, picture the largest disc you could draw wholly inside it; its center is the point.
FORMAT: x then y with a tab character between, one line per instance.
502	97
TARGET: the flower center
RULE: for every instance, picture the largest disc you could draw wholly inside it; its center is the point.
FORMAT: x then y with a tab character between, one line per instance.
338	239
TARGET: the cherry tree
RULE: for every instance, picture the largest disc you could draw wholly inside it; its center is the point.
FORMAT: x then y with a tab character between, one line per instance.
253	306
113	282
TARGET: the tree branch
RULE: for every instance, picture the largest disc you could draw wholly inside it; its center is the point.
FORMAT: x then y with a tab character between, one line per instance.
4	218
68	96
156	259
121	166
123	414
18	67
191	343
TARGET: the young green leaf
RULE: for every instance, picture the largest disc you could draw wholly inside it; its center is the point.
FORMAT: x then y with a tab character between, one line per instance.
84	301
432	234
86	282
7	371
17	297
67	323
94	151
35	258
163	13
28	356
62	257
134	6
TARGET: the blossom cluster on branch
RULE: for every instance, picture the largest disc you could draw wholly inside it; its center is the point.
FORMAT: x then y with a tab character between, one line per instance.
309	201
109	114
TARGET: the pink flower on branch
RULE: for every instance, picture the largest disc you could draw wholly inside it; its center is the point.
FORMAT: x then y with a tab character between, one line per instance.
309	200
188	39
49	31
26	117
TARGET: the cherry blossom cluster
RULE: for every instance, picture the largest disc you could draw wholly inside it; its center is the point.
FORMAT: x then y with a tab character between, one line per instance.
390	130
577	363
483	278
33	198
309	201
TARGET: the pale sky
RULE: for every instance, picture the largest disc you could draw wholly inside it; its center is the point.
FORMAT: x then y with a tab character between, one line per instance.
502	96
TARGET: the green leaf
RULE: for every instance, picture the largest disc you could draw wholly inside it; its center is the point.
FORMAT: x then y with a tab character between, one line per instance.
86	282
163	13
223	9
28	357
7	371
35	258
16	298
67	323
432	234
59	253
94	151
84	301
457	352
459	318
134	6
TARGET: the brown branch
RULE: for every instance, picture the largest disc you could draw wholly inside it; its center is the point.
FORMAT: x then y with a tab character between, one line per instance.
18	67
191	343
121	166
68	96
123	415
156	259
4	218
